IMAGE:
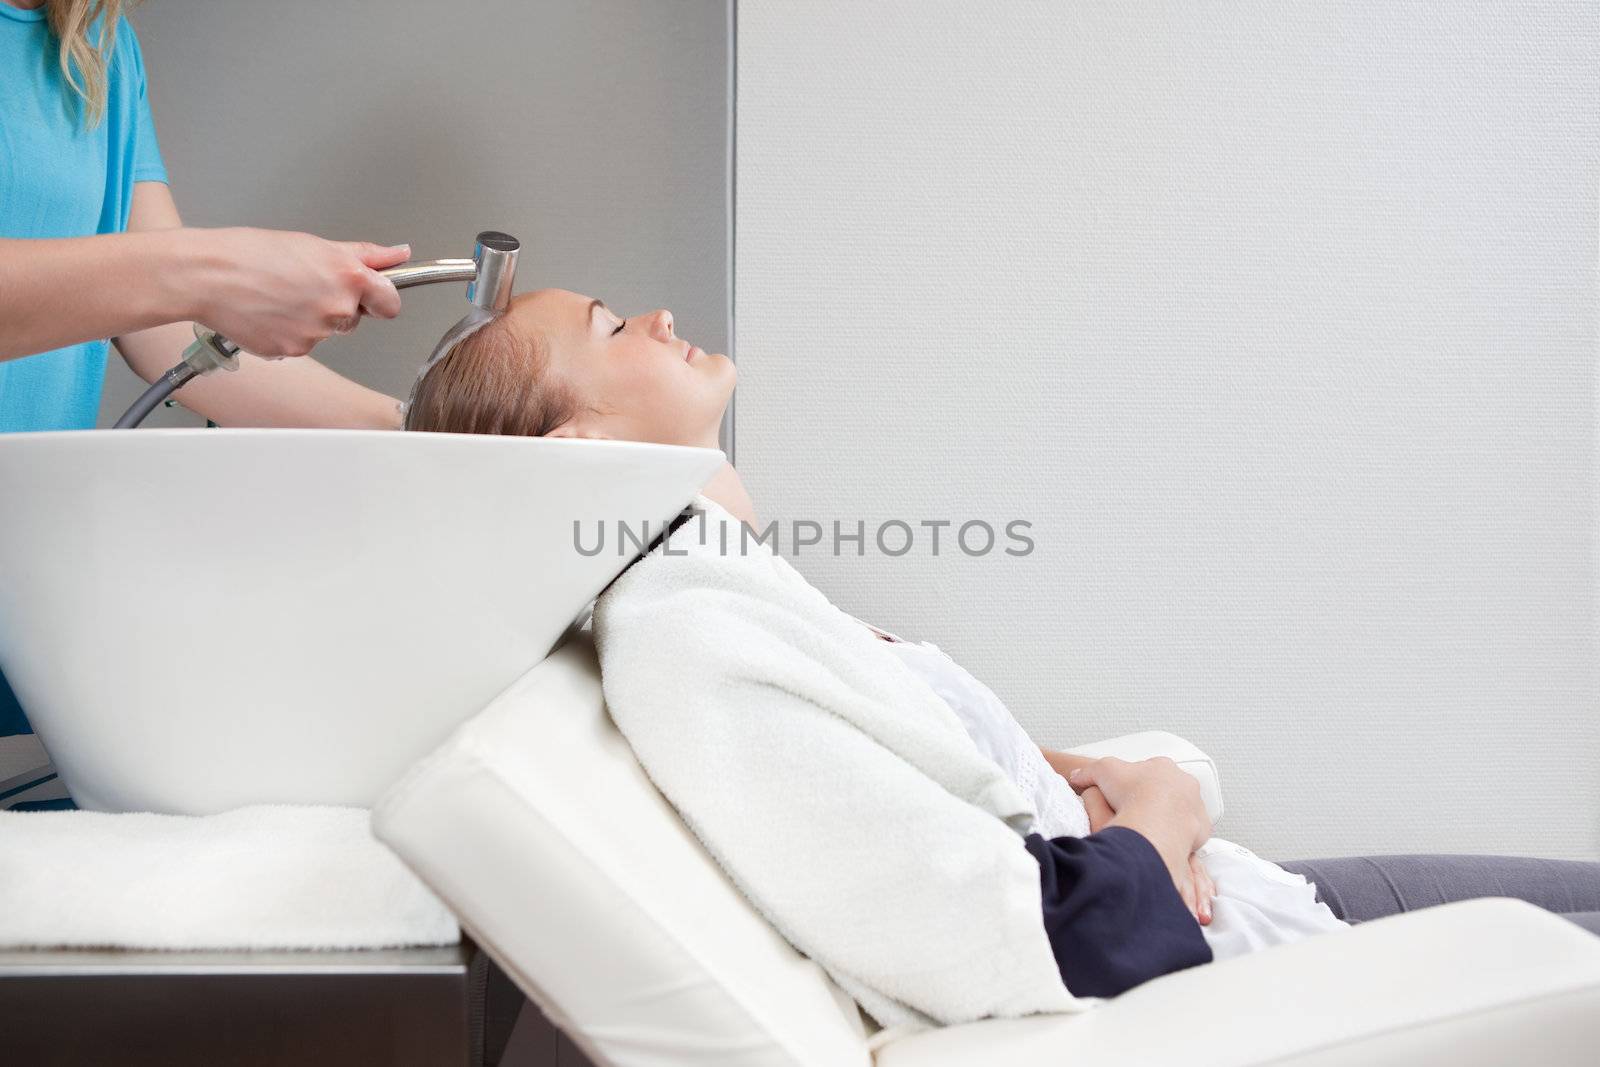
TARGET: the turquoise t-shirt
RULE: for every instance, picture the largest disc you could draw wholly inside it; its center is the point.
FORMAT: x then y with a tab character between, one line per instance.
58	179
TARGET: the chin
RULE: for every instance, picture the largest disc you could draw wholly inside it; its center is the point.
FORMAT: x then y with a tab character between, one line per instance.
727	377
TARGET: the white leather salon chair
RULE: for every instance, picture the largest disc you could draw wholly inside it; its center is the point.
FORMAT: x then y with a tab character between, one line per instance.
539	828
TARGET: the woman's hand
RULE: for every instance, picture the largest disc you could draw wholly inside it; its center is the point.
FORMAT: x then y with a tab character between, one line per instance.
279	294
1198	890
1158	800
1099	809
1157	789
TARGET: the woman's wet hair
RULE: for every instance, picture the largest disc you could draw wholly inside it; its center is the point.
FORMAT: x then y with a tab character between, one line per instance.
495	381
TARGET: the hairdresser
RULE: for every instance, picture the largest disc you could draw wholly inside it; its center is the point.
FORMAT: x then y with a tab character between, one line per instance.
91	247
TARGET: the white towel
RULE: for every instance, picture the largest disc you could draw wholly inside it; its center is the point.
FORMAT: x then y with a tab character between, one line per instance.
269	877
837	790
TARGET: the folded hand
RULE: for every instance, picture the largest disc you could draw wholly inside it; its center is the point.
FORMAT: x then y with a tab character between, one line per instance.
1189	877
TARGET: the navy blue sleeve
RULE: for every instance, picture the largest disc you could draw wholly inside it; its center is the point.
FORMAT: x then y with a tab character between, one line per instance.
1112	914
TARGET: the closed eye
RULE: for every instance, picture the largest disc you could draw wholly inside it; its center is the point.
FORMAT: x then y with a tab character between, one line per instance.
619	329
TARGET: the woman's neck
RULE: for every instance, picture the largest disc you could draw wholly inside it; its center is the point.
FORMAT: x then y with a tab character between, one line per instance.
727	489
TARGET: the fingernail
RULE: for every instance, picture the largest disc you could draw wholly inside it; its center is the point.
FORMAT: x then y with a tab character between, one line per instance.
1075	772
401	248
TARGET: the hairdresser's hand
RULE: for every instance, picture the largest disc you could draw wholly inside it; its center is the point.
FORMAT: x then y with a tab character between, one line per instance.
1159	801
276	293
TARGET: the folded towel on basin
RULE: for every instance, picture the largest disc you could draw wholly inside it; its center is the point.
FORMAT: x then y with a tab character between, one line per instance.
268	877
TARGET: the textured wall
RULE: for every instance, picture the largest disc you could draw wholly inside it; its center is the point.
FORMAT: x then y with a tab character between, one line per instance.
1279	323
595	130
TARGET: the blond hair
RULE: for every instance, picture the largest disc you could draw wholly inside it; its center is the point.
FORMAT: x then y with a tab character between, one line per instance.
495	381
86	63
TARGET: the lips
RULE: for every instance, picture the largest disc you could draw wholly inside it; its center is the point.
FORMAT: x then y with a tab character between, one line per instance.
688	357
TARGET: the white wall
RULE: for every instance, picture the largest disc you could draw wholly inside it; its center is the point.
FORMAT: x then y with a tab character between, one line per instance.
1278	322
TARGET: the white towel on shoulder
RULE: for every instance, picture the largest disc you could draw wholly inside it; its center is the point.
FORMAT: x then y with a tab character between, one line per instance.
267	877
836	789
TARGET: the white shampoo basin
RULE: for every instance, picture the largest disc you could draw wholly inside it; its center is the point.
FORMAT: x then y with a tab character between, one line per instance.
199	619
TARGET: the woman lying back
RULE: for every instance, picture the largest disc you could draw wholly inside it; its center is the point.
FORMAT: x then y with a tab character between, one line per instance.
558	364
562	365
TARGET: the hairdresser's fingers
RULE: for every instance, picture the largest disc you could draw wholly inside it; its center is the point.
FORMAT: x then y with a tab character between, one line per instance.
379	257
379	297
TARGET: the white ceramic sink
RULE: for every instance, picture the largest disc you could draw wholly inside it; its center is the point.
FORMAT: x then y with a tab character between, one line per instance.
198	619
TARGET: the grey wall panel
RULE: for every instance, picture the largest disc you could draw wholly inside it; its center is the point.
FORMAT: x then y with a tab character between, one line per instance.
595	131
1279	323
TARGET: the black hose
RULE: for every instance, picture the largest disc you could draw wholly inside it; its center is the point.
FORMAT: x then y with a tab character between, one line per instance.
159	390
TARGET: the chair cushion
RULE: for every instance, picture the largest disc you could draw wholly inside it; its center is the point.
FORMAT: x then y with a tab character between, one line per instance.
1474	984
537	826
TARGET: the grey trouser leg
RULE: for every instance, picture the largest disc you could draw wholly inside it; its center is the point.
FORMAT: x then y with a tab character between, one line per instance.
1359	888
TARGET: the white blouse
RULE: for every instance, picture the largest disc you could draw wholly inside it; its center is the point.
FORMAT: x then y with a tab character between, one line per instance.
1000	737
1258	903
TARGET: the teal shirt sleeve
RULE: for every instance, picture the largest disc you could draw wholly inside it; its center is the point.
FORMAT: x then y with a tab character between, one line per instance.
147	164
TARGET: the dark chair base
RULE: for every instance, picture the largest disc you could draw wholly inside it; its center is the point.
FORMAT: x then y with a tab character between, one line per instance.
397	1007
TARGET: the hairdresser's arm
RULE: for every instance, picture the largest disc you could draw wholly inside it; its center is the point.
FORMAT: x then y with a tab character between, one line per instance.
276	293
286	392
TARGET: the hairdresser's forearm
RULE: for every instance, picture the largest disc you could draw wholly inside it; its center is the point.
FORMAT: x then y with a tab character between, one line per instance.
285	392
289	392
55	293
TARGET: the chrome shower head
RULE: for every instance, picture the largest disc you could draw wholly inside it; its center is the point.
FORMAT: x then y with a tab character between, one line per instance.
489	274
495	260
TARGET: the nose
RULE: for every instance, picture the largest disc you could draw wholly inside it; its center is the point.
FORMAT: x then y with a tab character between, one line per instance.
661	324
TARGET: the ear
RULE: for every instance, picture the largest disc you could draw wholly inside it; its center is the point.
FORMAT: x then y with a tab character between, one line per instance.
572	430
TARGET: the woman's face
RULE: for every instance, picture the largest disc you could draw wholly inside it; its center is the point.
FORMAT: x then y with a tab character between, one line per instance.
633	379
